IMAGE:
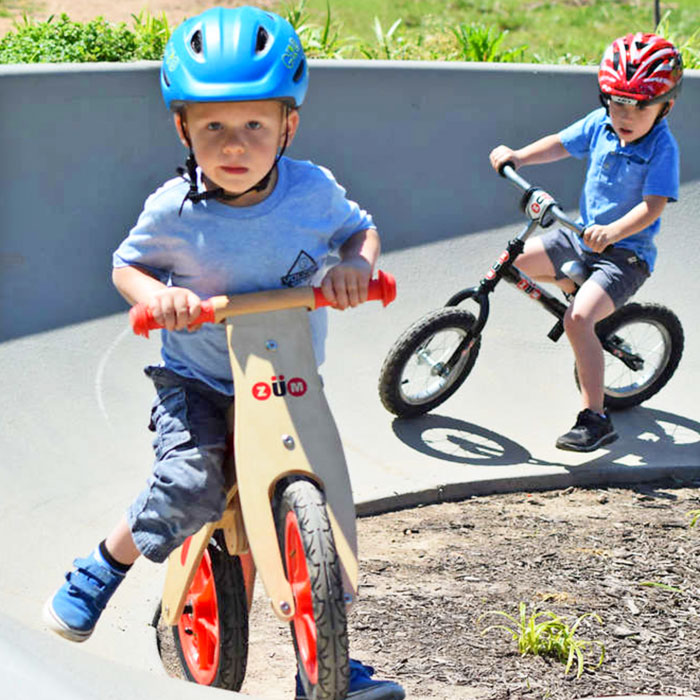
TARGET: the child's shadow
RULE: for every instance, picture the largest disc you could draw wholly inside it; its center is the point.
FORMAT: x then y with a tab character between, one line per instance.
648	437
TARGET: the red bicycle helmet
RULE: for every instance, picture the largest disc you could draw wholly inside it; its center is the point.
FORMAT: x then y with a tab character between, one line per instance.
640	69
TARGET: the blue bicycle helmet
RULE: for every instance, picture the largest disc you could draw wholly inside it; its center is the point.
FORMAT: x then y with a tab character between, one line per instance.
234	54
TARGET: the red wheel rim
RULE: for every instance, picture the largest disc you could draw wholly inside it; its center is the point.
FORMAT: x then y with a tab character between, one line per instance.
198	627
298	576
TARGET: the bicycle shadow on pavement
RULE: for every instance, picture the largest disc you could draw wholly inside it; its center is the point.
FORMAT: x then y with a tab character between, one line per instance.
455	440
648	437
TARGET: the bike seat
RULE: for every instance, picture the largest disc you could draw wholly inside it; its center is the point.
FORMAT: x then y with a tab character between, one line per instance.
575	271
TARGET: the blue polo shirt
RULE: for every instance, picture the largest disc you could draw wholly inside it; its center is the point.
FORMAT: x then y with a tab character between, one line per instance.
619	177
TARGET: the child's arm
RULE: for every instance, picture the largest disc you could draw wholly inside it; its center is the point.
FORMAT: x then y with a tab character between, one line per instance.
545	150
346	283
599	236
172	307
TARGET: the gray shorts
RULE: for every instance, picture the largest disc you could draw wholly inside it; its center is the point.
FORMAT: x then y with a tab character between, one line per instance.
190	480
618	271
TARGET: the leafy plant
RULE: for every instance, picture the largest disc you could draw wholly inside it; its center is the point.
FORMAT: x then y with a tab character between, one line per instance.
319	41
478	42
662	586
548	634
64	41
388	42
695	515
152	34
689	47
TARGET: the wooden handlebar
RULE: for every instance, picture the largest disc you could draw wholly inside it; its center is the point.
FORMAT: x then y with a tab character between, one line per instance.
216	309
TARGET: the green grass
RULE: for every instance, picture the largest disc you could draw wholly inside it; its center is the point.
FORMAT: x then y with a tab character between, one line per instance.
547	634
553	31
540	31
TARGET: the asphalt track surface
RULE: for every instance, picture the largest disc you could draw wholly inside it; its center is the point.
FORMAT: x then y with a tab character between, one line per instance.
75	448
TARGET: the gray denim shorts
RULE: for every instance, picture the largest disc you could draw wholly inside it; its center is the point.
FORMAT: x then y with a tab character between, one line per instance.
618	271
189	481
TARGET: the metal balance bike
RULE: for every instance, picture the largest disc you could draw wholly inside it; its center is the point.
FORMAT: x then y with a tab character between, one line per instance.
643	343
290	512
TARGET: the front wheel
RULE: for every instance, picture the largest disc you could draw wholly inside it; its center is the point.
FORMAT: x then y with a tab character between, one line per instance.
211	636
319	625
645	344
415	377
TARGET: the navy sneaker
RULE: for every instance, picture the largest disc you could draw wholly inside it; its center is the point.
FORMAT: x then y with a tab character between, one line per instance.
76	606
590	432
362	686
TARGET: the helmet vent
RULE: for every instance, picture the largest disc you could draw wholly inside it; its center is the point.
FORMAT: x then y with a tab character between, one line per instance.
299	72
196	42
261	40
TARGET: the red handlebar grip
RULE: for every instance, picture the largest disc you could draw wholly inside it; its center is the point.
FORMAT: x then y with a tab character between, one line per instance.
142	320
382	289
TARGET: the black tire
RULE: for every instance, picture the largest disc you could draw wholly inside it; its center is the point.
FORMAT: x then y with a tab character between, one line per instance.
302	523
654	333
212	645
422	351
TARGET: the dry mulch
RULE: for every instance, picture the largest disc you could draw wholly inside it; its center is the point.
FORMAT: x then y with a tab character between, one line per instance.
627	554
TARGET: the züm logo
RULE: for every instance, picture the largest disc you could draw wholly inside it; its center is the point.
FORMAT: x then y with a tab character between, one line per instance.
279	387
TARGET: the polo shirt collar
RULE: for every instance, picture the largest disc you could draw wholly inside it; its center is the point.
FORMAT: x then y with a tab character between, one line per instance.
642	147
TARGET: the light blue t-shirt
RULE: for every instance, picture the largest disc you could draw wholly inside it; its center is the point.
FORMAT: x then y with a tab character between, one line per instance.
619	177
214	248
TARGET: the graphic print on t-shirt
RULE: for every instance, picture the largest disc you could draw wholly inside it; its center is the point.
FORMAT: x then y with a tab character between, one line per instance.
303	269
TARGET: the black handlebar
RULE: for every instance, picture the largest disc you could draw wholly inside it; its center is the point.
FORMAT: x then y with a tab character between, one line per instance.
550	207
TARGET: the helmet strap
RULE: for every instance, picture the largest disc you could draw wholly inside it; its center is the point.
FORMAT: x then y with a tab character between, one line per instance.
193	193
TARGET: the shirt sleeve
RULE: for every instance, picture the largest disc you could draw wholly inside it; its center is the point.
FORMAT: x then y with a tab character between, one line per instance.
577	137
349	217
148	246
663	175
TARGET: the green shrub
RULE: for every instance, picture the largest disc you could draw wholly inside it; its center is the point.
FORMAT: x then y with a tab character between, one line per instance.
64	41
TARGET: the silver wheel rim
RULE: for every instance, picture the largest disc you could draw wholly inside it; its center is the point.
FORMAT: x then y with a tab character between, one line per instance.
423	378
652	342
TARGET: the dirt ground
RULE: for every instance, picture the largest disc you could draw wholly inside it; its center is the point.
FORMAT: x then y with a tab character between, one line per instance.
82	10
429	574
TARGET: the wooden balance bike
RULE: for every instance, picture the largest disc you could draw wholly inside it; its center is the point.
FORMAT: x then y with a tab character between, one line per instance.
290	512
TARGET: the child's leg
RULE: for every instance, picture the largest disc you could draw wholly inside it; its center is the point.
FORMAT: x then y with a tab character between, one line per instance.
591	304
187	489
120	544
536	263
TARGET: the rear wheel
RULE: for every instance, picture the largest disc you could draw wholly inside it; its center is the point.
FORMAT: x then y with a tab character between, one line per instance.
415	378
319	625
211	636
650	339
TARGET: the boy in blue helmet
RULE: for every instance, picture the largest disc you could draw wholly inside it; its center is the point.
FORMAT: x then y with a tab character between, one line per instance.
242	218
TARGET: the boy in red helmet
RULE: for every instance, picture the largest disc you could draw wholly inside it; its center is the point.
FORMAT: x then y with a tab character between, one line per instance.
633	171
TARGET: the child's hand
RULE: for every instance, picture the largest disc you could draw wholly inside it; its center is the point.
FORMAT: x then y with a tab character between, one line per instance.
346	283
598	237
175	308
501	155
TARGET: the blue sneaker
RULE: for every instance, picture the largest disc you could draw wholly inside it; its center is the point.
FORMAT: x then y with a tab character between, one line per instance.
76	606
362	686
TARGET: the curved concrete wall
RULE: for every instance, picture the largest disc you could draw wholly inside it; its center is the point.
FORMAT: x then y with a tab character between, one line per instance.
84	145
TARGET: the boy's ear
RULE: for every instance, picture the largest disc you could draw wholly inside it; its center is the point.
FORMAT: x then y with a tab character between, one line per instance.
180	127
292	126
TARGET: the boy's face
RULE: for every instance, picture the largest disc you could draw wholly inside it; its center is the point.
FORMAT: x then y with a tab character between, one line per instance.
630	122
235	143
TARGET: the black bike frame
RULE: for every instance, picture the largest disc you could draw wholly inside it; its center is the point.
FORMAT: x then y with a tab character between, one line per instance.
543	211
